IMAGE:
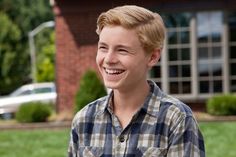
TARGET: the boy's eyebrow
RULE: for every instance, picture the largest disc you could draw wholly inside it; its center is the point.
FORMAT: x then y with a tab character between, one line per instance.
101	43
119	46
123	46
128	48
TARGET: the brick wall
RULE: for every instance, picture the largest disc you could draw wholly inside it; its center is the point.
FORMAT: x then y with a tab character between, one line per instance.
75	51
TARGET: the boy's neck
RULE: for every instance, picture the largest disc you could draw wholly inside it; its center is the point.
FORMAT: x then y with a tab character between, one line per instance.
126	104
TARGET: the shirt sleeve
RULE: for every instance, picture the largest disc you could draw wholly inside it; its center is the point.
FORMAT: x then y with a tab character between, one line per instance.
73	144
185	139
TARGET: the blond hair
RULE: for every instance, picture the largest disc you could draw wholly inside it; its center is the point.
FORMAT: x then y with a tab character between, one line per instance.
149	25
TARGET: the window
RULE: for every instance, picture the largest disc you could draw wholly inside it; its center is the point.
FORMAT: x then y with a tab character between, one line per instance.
43	90
178	53
209	30
155	73
232	50
195	60
26	92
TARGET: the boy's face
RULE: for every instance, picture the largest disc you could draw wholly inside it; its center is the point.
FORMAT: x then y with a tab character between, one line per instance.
121	58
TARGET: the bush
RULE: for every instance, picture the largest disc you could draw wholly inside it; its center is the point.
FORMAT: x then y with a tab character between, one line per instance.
33	112
222	105
91	88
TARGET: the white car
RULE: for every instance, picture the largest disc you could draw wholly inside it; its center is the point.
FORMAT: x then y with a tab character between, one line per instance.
37	92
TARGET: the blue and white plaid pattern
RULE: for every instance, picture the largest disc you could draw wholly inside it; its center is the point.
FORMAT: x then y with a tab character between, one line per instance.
164	126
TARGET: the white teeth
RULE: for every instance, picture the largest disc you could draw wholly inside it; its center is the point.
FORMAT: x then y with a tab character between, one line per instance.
113	71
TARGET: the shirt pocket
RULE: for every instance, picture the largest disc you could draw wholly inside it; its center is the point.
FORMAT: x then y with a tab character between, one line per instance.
150	152
88	151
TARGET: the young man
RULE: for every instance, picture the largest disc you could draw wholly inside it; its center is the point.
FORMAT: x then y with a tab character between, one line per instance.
136	119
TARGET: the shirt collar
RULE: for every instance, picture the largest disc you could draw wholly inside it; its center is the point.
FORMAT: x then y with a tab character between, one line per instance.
153	100
105	106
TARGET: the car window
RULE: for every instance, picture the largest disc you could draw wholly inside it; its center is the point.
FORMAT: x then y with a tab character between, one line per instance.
43	90
26	92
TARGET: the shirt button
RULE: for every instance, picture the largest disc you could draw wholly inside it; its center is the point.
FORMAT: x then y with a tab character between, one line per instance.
122	138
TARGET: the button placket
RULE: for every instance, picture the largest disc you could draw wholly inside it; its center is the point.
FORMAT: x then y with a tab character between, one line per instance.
122	138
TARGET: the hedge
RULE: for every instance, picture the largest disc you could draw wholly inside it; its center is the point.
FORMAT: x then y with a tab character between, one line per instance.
34	112
222	105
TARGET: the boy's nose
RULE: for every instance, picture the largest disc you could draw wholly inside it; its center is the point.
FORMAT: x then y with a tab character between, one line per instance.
110	57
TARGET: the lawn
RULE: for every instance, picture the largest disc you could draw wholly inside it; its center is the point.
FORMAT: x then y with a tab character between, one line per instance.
219	140
34	143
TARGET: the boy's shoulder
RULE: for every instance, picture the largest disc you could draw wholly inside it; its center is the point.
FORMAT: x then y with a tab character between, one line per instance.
173	111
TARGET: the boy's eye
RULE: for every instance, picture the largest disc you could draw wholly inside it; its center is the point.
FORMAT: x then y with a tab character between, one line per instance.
102	48
123	51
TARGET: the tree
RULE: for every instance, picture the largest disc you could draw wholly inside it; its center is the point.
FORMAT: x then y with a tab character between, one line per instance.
24	16
91	88
46	61
9	58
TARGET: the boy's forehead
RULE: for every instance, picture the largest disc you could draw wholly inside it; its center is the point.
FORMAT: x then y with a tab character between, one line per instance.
118	34
118	30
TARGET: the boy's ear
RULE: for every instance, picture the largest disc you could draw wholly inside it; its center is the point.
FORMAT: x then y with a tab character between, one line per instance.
154	57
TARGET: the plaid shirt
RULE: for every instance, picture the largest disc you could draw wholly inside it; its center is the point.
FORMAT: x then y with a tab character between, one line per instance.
164	126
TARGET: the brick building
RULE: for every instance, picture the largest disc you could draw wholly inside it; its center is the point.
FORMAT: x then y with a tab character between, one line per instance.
197	61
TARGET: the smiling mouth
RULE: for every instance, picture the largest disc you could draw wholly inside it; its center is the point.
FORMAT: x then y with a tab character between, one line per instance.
113	71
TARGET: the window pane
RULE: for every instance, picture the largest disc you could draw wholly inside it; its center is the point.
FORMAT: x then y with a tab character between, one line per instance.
202	27
203	70
216	52
186	85
185	54
27	92
173	71
217	86
209	25
233	52
204	87
174	86
184	37
172	36
233	86
186	71
216	37
203	38
217	69
232	34
155	72
203	53
173	55
233	68
216	26
177	19
232	26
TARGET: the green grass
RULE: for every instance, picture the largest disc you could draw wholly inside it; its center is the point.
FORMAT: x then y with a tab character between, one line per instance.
219	141
34	143
219	138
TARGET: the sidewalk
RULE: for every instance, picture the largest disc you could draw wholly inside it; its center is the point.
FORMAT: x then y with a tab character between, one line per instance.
31	126
13	125
205	117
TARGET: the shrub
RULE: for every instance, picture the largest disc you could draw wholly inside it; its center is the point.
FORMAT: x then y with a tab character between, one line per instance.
33	112
91	88
222	105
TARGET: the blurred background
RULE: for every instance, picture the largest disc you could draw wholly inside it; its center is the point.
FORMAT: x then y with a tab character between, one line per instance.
54	42
18	18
